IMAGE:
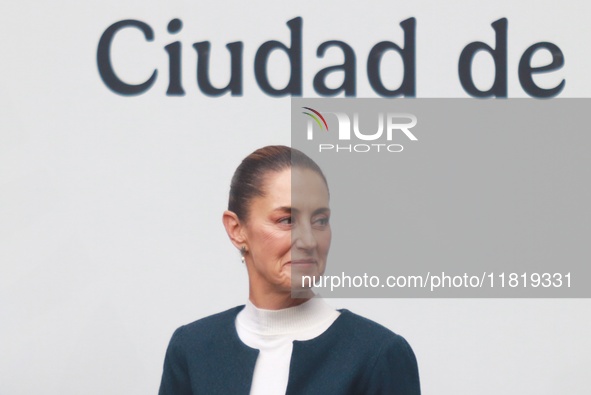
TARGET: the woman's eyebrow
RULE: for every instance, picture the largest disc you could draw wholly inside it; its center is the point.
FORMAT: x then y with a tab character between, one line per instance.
289	210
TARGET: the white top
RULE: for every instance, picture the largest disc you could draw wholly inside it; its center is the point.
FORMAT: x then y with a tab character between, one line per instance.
272	332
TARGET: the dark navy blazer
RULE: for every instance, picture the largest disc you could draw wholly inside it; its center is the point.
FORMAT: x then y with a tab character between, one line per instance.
353	356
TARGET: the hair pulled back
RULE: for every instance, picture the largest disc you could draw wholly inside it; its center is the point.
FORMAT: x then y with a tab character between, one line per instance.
248	180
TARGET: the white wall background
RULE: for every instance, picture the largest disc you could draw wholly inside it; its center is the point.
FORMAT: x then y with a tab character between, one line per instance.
110	206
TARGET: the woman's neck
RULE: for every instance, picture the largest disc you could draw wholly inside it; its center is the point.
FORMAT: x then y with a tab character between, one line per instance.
278	301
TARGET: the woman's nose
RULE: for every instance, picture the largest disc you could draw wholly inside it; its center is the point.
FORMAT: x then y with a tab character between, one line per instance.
303	237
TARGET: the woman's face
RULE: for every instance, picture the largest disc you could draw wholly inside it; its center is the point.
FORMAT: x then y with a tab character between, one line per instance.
288	228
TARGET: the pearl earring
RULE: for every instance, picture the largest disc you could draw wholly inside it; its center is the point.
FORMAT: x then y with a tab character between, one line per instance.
243	252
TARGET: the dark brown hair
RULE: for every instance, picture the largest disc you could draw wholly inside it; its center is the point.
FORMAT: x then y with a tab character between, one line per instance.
248	179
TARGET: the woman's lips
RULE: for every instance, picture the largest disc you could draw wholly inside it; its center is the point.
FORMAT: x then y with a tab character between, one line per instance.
303	262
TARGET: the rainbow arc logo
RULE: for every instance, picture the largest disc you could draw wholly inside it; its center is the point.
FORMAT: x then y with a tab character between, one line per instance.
316	116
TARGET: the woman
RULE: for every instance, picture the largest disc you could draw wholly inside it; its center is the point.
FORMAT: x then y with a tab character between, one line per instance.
278	218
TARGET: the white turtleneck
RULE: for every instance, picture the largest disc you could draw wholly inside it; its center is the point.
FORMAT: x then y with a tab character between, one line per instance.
272	332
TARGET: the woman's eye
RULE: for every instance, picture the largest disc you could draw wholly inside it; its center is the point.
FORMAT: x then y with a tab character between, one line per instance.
286	220
323	221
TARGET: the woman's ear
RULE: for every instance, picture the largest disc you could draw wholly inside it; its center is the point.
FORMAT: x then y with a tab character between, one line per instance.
234	229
